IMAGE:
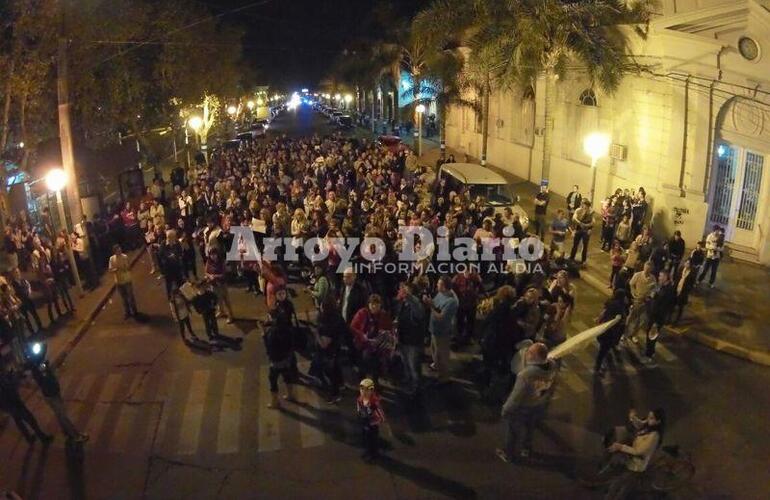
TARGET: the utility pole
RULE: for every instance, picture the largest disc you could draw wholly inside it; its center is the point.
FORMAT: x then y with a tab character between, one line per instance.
65	125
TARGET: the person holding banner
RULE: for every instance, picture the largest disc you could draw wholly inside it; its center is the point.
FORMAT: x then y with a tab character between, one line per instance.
615	306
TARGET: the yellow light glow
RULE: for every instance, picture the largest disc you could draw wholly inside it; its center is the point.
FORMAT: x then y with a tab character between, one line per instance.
56	179
195	122
596	145
348	98
260	102
250	104
420	108
337	97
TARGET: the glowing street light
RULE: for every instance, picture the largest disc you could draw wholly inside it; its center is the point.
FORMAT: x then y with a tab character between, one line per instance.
260	102
596	145
420	109
337	97
231	110
56	181
195	123
250	105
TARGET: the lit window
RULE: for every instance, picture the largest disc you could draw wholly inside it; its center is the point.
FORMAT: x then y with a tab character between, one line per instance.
588	98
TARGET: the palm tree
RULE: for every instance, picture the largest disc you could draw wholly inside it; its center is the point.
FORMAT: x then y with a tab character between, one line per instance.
548	37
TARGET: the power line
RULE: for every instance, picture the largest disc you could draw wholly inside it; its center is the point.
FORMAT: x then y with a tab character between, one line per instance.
183	28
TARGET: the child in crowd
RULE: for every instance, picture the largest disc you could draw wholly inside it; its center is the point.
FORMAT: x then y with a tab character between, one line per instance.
617	259
370	415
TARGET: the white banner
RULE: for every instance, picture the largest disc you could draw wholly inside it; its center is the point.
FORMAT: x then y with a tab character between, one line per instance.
573	343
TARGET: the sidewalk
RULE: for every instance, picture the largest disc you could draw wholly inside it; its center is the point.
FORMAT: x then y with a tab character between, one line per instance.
730	318
62	337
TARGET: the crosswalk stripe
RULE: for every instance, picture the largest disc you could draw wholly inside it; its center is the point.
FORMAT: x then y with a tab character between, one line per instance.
168	396
113	409
80	390
122	437
99	411
268	433
310	434
228	436
193	413
665	353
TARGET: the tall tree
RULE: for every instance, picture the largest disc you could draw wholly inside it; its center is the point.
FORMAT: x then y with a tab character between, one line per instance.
551	37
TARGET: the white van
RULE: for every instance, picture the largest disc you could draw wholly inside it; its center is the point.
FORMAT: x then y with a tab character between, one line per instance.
481	181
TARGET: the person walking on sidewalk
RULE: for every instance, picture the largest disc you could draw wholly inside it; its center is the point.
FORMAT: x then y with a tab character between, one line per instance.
662	301
714	246
584	223
527	402
443	315
541	208
120	267
641	286
574	200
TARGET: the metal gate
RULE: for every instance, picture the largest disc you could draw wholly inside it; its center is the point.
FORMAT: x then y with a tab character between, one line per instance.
724	184
752	183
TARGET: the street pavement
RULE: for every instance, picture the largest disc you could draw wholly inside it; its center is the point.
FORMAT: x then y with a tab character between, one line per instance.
167	422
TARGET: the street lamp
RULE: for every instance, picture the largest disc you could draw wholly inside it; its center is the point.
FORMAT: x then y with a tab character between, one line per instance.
56	180
231	110
337	97
348	99
250	105
596	145
420	108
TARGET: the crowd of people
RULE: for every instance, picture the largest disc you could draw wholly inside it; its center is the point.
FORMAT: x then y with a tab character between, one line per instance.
373	323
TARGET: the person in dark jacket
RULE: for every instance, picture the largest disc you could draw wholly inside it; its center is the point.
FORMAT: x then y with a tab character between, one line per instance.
331	330
11	402
411	326
280	348
171	257
46	379
685	282
497	342
676	250
23	291
662	301
615	306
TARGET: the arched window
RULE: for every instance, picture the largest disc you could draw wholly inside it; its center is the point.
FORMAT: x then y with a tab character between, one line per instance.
528	94
588	98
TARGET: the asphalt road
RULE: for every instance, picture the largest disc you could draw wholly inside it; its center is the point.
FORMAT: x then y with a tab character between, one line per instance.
166	422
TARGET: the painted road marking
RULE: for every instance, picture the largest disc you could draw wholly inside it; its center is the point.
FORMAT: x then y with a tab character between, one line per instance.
228	435
268	433
192	418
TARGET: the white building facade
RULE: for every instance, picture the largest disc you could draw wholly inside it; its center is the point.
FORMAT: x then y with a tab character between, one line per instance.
693	130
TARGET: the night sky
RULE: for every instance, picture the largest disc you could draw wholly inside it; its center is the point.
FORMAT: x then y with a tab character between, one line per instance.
292	43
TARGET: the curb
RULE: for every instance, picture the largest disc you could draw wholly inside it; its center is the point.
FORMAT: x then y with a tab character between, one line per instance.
754	356
88	320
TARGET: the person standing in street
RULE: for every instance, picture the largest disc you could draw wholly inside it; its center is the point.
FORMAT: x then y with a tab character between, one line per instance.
46	379
467	286
685	281
662	302
370	416
714	246
121	269
527	402
559	228
410	324
171	258
584	223
574	200
23	290
443	315
615	306
641	286
11	402
541	208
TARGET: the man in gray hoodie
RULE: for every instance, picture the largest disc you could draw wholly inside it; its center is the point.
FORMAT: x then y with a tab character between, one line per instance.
527	402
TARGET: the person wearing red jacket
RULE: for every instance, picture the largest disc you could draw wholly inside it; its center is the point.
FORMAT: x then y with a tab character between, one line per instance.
372	336
370	416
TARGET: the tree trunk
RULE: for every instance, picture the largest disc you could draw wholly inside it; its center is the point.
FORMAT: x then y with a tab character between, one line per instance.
485	121
550	104
7	105
442	131
374	122
23	128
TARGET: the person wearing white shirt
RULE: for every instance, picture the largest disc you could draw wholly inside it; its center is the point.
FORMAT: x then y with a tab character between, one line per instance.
120	267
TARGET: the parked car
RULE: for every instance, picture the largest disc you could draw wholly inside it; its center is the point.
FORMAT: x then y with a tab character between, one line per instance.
392	143
345	122
481	181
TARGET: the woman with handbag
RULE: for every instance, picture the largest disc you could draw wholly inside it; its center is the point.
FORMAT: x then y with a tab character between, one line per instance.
372	333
